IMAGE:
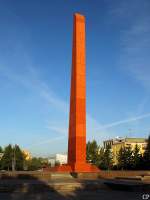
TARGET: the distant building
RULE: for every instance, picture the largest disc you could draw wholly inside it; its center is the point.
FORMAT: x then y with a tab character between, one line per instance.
117	143
27	155
111	142
58	158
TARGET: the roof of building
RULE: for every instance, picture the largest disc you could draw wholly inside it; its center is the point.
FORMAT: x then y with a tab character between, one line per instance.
121	140
140	140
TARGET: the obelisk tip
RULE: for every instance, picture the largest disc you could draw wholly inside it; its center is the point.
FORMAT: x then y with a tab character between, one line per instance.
79	16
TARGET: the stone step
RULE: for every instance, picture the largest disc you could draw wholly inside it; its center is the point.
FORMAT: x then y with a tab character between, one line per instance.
61	175
129	178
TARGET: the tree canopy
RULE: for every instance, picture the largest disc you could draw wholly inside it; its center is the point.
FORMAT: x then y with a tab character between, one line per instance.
6	161
128	158
146	157
92	151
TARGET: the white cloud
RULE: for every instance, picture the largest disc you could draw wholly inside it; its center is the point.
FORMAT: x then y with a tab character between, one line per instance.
31	81
58	129
46	141
129	120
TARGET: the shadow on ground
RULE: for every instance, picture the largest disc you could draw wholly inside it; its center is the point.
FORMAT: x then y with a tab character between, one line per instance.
27	187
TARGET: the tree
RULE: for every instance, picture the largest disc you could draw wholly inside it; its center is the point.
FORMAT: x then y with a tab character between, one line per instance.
1	149
1	155
19	158
125	158
13	158
146	157
121	158
108	158
34	164
101	161
92	151
6	161
99	156
137	158
128	158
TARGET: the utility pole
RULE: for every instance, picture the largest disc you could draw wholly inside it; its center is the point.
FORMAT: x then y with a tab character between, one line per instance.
13	158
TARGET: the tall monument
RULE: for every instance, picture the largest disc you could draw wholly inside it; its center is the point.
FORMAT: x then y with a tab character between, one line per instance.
77	119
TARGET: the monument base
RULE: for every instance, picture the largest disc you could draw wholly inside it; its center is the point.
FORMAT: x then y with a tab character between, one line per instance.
75	167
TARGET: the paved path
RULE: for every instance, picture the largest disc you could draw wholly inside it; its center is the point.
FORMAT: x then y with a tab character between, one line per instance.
80	195
61	189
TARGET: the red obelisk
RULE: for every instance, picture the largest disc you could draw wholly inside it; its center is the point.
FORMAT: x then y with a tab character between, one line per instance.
77	119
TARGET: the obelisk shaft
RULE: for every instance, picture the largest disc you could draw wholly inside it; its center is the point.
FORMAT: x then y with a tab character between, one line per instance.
77	120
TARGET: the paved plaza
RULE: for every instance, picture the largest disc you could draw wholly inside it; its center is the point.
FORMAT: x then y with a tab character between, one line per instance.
101	194
63	190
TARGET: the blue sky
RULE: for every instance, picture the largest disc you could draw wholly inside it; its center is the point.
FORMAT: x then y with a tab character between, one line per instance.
35	65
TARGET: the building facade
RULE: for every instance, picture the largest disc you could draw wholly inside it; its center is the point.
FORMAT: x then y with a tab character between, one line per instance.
118	143
58	158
